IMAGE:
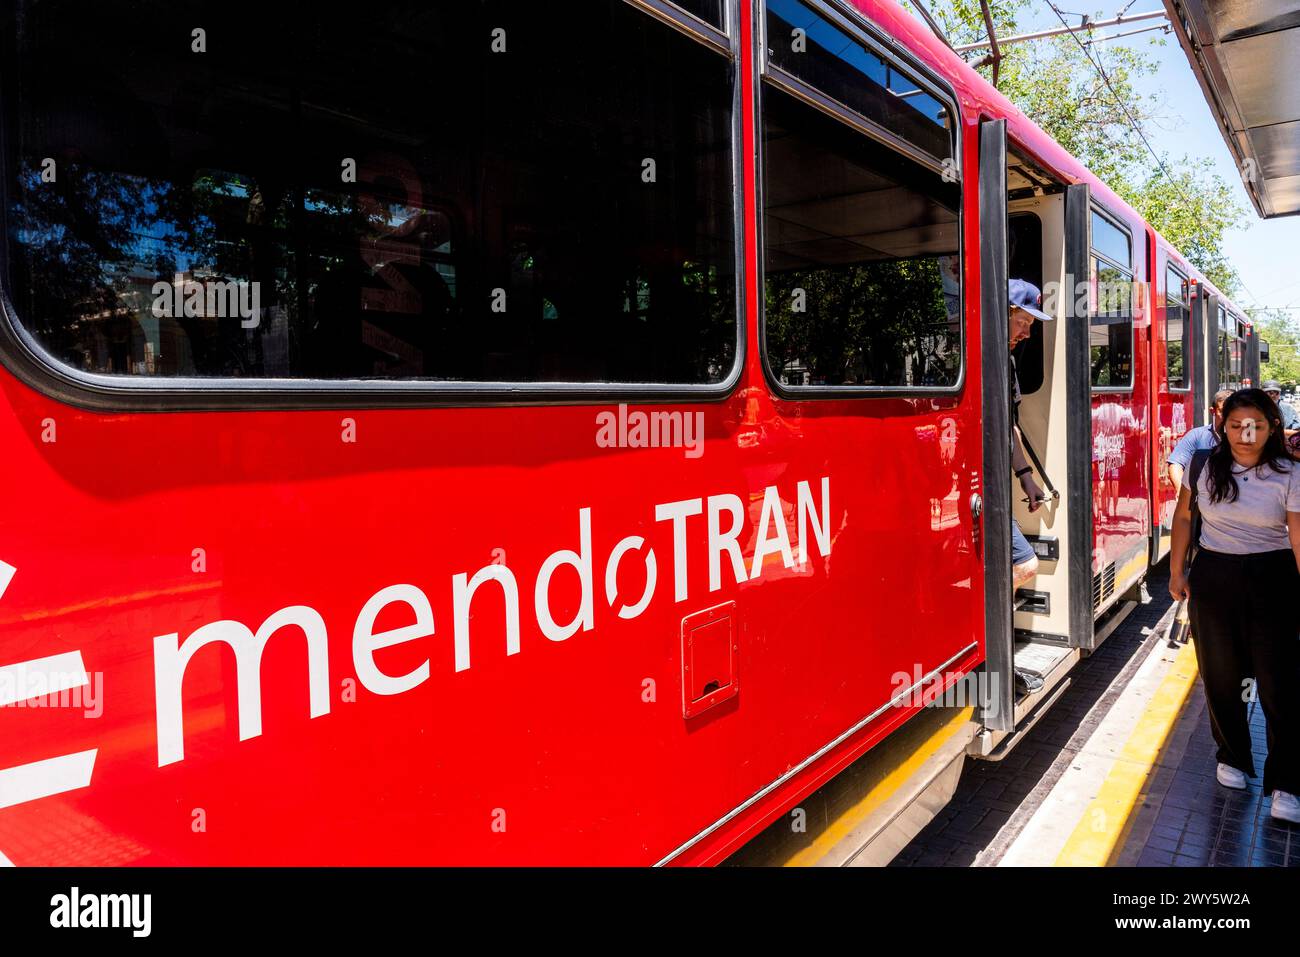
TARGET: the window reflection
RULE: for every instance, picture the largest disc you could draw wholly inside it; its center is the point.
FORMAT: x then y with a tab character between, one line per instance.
1176	319
804	44
1110	328
862	276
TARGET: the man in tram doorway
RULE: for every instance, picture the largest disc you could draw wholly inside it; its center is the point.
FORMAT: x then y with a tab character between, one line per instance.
1025	302
1201	437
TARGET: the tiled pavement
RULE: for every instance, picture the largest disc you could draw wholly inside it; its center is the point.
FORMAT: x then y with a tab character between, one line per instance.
1191	820
1187	818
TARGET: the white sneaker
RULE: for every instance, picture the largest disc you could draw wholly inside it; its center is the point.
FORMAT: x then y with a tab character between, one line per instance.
1230	777
1286	807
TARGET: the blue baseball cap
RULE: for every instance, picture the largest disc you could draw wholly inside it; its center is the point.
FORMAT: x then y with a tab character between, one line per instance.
1026	296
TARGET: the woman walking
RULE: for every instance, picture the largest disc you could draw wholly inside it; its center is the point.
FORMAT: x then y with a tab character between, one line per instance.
1241	591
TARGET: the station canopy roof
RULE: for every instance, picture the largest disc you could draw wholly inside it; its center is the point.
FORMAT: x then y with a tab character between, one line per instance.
1246	55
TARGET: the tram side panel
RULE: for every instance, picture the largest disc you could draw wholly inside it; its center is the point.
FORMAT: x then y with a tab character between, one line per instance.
525	633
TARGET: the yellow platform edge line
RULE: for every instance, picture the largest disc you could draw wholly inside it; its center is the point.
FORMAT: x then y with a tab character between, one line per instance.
1106	819
843	825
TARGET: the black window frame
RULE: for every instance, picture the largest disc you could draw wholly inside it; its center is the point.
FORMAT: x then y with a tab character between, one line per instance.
1185	297
31	363
1131	272
710	34
876	41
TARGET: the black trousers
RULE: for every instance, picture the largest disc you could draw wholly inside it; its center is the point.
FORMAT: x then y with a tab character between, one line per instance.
1245	617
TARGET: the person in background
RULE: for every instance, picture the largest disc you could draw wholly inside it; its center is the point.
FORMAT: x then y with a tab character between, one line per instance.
1201	437
1024	302
1290	418
1241	592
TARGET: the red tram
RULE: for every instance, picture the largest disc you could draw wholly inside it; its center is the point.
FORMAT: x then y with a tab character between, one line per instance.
500	434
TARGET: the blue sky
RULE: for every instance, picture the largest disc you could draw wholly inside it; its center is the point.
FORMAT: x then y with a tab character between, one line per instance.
1264	251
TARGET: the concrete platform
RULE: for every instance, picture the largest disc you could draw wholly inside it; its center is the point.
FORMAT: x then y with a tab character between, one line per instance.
1119	773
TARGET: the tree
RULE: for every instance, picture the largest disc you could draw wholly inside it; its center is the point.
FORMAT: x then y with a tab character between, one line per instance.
1282	333
962	21
1193	210
1104	122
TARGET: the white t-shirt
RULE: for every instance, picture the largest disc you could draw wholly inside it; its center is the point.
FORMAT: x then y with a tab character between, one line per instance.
1256	521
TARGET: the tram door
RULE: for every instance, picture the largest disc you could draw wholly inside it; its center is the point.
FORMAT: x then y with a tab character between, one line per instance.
1203	334
998	691
1034	228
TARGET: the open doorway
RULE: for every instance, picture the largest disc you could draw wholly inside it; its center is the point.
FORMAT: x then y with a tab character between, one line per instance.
1043	651
1034	227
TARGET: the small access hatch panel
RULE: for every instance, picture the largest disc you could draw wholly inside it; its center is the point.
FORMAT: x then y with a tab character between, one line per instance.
709	653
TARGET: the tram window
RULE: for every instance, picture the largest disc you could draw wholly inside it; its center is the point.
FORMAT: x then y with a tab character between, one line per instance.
804	44
458	192
1111	241
1176	320
1110	335
1237	351
710	11
1110	332
862	273
1224	374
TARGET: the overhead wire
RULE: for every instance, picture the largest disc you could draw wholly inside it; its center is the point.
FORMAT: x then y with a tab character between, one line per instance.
1105	78
1136	127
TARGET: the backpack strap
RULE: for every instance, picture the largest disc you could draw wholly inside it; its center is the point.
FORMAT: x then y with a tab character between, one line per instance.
1194	470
